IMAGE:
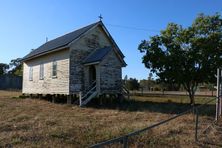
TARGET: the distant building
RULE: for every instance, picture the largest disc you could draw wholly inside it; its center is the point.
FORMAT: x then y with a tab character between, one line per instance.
86	60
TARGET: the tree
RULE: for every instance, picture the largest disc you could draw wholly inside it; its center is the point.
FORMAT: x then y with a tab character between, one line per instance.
147	84
211	88
186	56
126	78
16	67
150	76
3	68
132	84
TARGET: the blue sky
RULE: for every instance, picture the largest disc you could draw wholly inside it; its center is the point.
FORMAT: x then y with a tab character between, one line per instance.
25	24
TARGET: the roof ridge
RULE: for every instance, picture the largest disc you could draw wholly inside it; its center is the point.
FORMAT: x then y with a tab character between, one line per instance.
60	41
68	33
74	31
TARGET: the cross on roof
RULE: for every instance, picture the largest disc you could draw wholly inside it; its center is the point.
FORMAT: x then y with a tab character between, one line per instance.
100	17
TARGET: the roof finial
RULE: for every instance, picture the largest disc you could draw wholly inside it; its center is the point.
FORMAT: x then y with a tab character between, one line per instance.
46	39
100	17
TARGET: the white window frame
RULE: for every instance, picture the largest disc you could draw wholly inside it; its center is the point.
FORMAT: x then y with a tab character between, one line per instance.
41	72
54	69
30	73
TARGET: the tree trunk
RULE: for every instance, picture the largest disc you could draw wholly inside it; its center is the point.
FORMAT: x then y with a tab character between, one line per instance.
191	96
191	88
192	101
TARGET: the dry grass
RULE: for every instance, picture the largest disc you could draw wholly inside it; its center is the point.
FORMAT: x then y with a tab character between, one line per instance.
39	123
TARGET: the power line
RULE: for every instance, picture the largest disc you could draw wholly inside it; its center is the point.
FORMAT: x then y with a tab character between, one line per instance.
133	28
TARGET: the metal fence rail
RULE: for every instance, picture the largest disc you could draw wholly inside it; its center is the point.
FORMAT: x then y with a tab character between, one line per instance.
197	120
124	139
173	93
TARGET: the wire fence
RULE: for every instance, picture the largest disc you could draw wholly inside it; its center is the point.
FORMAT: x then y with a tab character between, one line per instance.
173	93
200	127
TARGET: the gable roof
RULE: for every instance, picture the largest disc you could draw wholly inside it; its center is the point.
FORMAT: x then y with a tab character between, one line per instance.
59	42
97	55
65	40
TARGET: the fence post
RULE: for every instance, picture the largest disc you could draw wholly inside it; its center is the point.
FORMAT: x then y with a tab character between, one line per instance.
125	142
218	93
219	97
80	98
193	111
196	125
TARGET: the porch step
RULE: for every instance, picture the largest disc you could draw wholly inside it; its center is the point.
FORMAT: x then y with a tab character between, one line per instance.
88	95
125	92
94	94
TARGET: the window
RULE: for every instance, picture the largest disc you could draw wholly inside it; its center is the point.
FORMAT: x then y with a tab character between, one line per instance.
54	69
41	72
30	73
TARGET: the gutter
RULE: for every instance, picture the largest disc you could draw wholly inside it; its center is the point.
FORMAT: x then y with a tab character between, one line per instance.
44	53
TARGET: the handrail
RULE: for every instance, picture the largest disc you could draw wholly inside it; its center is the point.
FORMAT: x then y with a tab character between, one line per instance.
89	98
83	98
125	89
91	85
89	91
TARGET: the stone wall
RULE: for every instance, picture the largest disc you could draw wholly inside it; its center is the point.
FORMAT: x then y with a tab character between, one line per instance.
110	74
79	50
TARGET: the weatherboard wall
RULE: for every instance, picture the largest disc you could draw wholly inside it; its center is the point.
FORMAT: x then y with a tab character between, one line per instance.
49	85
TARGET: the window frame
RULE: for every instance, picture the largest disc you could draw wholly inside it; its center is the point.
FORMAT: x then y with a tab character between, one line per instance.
41	71
30	73
54	69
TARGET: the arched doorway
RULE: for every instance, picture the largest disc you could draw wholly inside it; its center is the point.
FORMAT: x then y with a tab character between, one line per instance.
92	74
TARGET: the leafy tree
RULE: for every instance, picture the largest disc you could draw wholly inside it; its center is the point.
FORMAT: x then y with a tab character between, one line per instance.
132	84
162	85
186	56
3	68
211	88
150	76
124	80
16	67
126	77
147	84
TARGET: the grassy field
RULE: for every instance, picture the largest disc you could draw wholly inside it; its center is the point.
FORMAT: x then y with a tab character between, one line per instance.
40	123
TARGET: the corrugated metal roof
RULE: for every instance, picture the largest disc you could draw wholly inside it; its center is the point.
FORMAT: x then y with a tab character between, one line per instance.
59	42
97	55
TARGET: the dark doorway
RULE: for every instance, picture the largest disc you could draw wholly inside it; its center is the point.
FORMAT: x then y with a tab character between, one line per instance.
92	74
